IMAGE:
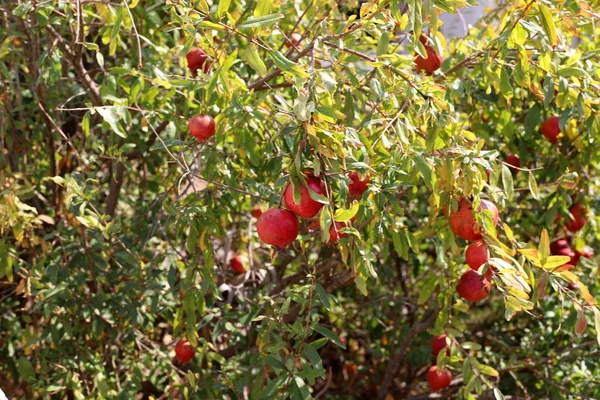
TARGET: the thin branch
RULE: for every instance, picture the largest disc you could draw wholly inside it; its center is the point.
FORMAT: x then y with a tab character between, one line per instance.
137	36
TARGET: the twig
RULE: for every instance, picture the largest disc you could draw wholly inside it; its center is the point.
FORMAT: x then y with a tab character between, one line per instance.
137	36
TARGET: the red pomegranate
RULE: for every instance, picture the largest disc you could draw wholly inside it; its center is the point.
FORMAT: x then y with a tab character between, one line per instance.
183	351
561	247
334	231
578	221
477	254
586	252
277	227
357	187
551	129
202	127
256	212
294	40
307	208
197	59
237	264
438	379
473	287
438	343
514	161
462	222
433	61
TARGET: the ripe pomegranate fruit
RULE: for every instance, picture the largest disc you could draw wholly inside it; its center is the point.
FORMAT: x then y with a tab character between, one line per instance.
202	127
578	220
334	231
561	247
551	129
198	59
277	227
438	343
438	379
433	61
514	161
477	254
294	40
462	222
473	287
183	351
237	264
307	208
256	212
356	186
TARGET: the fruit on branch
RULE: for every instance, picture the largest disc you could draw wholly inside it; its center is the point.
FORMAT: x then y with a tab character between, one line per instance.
202	127
257	212
514	161
463	223
307	208
577	222
561	247
477	254
237	264
183	351
334	231
551	129
438	343
294	40
198	59
357	187
438	379
277	227
433	61
473	287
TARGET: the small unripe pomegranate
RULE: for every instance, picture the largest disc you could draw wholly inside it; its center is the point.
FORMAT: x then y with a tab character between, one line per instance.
256	212
578	221
237	264
438	379
477	254
462	221
277	227
197	59
183	351
334	231
514	161
433	61
294	40
307	208
551	129
473	287
356	186
438	343
202	127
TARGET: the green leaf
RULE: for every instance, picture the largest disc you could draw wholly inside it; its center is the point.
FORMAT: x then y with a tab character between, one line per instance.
427	289
22	9
263	7
498	394
470	346
487	370
597	324
323	296
261	21
533	187
572	71
329	335
343	215
553	262
505	86
331	112
507	182
25	369
548	24
254	59
544	247
286	65
211	25
222	8
275	363
112	118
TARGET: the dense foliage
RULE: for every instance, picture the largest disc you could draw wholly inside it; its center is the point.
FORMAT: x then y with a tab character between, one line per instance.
118	227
